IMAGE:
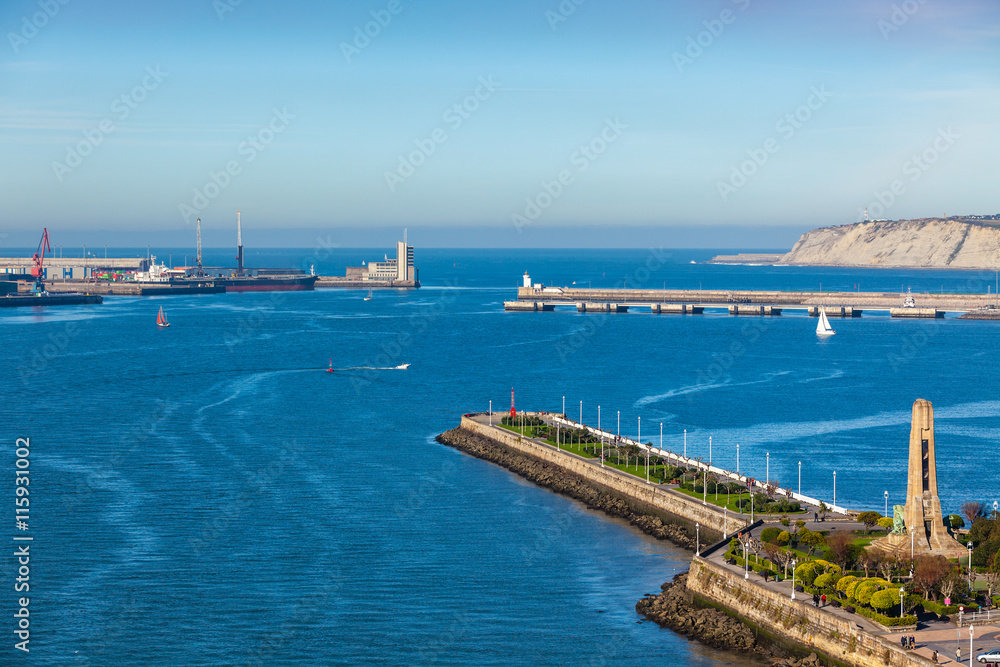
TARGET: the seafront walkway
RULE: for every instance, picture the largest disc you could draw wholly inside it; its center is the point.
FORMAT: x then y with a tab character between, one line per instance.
941	636
812	504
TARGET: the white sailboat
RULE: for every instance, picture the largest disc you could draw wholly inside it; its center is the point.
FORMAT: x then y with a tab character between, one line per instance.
823	327
369	297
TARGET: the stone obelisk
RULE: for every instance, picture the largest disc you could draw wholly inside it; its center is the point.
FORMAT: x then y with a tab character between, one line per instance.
924	530
923	507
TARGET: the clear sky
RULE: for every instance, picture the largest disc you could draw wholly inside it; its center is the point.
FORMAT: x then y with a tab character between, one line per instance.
113	114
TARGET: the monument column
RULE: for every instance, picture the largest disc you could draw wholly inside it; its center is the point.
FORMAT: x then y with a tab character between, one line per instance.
923	507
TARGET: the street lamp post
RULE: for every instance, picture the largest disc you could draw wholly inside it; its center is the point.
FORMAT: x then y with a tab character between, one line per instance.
902	592
685	443
737	459
767	472
793	577
697	539
709	450
491	413
581	412
835	489
725	521
746	558
564	406
971	583
751	504
972	631
886	494
800	478
618	432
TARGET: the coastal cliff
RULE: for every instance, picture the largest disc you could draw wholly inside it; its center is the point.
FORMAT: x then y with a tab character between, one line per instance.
924	243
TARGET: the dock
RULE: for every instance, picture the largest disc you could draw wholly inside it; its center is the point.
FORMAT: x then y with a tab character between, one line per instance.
57	299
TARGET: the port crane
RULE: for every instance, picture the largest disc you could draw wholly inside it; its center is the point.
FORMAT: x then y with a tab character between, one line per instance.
38	259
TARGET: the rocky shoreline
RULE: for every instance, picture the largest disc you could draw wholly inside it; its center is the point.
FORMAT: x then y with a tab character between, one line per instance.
675	609
648	520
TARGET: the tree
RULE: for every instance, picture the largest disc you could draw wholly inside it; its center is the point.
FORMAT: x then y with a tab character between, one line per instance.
811	539
839	543
992	573
869	519
929	572
869	559
886	522
770	534
772	551
973	510
955	521
885	599
954	583
887	564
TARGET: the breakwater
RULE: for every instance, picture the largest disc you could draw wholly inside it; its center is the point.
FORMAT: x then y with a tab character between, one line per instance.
808	301
555	478
714	522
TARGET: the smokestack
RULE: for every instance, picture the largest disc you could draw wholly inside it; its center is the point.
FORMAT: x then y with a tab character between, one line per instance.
199	246
239	245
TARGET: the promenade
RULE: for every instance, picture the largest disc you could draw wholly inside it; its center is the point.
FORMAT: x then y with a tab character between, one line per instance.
941	636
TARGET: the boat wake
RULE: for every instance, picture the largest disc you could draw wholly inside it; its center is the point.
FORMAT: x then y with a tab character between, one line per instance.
401	367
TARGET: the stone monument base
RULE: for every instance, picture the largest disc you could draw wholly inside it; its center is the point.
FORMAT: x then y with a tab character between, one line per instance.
899	545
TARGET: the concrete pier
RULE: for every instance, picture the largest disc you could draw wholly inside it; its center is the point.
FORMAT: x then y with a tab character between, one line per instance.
839	304
921	313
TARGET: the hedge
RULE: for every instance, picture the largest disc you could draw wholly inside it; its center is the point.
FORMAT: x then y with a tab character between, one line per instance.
888	621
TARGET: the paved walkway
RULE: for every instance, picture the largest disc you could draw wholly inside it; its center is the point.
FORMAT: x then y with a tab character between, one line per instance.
939	636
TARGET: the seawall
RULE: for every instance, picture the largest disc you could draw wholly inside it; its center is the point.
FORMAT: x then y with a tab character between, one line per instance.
675	507
795	620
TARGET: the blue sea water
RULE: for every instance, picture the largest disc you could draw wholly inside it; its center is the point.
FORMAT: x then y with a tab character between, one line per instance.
207	494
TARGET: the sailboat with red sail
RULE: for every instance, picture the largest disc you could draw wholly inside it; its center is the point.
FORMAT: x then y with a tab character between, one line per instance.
161	319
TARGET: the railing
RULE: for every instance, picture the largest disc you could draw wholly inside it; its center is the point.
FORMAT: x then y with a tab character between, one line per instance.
688	462
977	617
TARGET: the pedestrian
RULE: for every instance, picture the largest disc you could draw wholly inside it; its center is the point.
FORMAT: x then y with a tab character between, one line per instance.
934	657
816	604
902	641
958	655
823	598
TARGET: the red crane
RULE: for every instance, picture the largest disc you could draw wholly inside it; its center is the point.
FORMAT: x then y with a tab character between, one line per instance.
38	258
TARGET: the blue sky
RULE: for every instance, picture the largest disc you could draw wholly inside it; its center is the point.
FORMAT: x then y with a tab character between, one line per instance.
666	122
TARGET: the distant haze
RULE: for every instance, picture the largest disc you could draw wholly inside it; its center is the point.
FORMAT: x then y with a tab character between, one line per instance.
608	236
579	123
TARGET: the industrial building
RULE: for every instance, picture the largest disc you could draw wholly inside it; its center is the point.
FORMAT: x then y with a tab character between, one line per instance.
399	269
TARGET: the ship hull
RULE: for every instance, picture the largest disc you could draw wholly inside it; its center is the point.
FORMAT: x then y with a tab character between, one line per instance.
296	284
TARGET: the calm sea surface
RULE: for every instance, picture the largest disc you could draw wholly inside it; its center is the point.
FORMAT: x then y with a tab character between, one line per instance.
207	494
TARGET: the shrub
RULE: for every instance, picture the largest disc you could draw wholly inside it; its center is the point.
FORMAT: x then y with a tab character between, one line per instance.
784	537
806	573
824	580
956	521
770	534
844	582
884	599
885	522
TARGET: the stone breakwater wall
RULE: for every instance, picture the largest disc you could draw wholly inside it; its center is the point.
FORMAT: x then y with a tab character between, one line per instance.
682	509
559	480
796	620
